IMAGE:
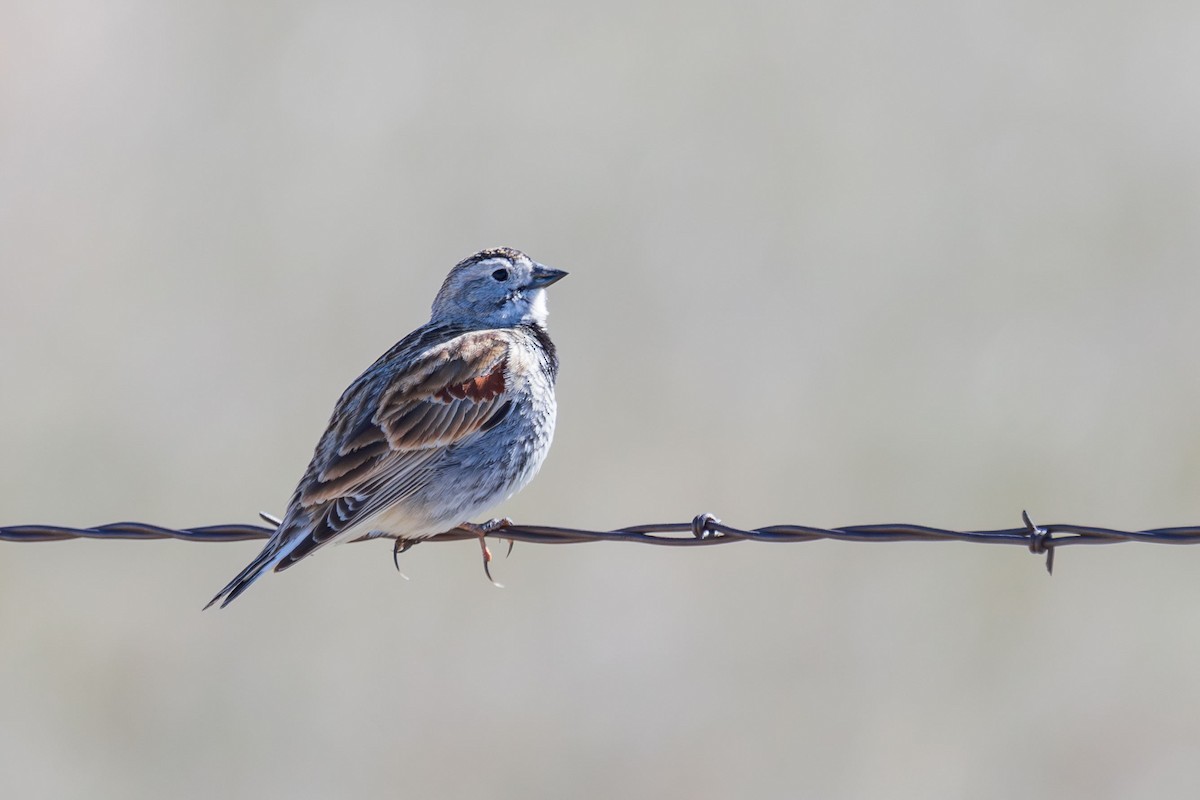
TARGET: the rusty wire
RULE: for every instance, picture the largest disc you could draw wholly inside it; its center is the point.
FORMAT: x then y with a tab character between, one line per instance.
704	530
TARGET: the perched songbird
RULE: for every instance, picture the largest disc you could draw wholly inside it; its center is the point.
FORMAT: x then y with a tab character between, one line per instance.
455	418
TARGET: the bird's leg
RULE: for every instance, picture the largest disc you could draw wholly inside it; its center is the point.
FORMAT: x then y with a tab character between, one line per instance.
482	531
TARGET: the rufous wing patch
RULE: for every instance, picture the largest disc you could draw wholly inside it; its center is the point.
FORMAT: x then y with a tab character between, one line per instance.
479	389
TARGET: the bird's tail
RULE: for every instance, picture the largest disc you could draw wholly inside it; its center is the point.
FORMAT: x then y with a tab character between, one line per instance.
269	557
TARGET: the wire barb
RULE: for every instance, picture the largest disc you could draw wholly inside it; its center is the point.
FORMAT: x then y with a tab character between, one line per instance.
703	525
1040	541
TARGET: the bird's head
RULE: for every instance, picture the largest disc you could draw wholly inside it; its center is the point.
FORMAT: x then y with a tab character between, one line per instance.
495	288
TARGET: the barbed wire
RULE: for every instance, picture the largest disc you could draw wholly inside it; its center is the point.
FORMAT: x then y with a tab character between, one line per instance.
703	530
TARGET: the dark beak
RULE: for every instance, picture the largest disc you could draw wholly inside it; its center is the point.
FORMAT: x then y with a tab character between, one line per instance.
543	276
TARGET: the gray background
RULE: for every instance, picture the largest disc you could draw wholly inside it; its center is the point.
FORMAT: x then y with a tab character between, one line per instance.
831	263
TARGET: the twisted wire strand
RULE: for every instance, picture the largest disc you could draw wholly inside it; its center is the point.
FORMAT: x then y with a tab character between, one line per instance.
702	531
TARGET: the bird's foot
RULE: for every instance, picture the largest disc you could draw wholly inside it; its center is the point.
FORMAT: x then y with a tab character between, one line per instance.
491	526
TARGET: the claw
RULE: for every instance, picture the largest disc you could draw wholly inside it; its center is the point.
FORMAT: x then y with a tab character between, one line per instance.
401	546
487	563
482	531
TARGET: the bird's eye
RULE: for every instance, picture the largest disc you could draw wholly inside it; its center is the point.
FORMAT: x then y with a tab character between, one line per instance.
500	275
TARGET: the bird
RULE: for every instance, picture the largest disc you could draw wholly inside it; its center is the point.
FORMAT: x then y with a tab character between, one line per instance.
453	419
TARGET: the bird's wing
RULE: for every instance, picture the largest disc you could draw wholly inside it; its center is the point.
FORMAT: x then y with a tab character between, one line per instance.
389	433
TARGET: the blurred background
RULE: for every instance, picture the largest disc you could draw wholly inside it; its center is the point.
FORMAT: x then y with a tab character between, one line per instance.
831	263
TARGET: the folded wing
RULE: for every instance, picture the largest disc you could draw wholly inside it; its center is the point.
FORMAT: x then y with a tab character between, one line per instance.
391	436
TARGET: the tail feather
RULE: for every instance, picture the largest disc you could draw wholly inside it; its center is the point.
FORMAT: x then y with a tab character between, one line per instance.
265	560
